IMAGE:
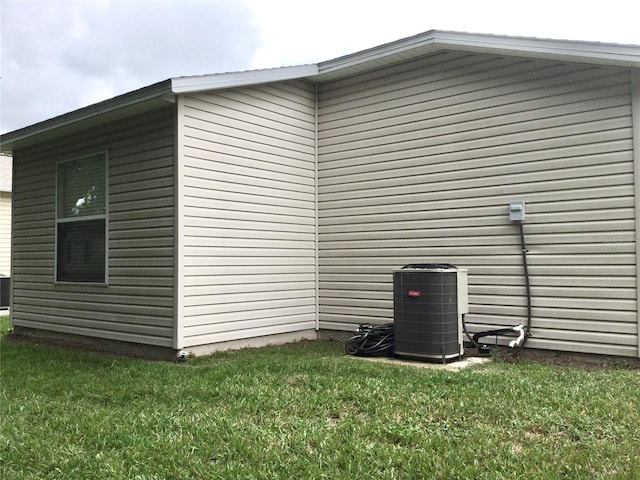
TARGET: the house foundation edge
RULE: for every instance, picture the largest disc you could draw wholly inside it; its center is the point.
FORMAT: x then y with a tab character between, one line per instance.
147	351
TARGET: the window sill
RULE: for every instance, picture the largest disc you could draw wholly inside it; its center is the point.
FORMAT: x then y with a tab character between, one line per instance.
76	284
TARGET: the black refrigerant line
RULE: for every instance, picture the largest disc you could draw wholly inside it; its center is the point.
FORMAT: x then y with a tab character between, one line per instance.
504	331
527	331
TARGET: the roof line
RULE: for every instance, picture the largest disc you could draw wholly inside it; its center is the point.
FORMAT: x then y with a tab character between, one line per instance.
399	50
219	81
604	53
151	92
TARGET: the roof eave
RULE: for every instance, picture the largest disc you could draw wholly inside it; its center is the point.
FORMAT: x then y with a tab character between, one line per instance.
140	100
146	99
156	95
221	81
437	40
558	50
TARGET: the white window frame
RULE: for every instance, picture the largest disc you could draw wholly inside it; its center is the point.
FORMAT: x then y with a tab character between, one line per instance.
104	216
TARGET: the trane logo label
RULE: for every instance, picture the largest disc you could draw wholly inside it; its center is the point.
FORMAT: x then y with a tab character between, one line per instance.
414	293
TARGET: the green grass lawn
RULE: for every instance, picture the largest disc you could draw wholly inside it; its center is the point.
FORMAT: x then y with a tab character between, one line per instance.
307	411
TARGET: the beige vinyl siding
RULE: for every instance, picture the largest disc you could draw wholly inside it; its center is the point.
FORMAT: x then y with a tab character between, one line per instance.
418	162
249	213
137	305
5	234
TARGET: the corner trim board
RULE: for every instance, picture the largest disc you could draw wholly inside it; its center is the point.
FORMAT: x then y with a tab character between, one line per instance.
635	125
178	251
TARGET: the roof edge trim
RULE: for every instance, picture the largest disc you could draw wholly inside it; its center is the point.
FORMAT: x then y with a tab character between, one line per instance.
220	81
592	52
151	92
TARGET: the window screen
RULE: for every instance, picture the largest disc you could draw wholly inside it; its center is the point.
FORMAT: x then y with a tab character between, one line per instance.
81	220
81	187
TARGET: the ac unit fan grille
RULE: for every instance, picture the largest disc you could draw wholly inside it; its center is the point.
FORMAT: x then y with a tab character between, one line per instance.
426	317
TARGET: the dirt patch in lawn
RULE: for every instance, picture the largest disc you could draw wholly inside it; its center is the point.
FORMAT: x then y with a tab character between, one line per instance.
580	360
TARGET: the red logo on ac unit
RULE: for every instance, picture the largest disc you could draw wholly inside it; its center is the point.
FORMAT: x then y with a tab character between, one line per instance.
414	293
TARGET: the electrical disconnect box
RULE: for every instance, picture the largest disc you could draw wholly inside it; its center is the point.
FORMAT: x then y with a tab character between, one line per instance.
516	211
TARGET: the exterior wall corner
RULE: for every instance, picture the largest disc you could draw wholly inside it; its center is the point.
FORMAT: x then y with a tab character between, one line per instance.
179	224
635	109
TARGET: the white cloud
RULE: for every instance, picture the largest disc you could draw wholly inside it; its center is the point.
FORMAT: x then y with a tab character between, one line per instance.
302	31
59	56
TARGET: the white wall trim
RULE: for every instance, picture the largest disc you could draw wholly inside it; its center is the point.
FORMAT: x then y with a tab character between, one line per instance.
178	271
317	247
635	115
12	247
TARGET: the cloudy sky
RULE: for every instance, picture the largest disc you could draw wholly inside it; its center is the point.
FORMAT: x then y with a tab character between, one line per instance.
57	56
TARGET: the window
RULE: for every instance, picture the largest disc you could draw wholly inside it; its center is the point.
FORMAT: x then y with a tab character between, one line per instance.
81	217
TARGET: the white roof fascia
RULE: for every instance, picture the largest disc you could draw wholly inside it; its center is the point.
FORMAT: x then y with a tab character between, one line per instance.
220	81
435	40
569	50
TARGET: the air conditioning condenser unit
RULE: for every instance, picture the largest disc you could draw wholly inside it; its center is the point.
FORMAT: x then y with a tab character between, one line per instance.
429	301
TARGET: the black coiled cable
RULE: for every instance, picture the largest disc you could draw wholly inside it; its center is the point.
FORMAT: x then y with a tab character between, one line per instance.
371	341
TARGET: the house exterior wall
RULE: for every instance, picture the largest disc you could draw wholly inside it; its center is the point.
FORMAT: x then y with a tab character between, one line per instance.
137	304
247	195
418	162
